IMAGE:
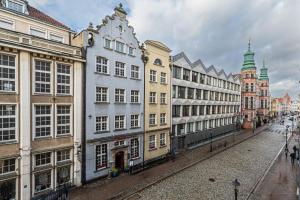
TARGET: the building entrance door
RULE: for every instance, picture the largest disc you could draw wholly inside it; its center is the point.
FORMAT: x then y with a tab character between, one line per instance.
119	160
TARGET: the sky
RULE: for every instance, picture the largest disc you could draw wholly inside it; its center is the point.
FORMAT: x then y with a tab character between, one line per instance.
217	32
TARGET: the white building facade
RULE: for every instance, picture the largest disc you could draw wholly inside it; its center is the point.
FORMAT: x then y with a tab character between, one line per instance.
205	102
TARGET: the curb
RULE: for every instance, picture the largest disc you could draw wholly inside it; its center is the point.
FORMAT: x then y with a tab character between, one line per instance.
131	195
262	178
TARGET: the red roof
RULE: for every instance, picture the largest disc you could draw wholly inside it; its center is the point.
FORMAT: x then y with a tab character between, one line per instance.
36	14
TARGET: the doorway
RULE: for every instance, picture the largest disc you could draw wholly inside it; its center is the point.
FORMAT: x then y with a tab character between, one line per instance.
119	160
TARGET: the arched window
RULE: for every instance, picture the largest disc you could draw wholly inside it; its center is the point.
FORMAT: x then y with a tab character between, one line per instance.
157	62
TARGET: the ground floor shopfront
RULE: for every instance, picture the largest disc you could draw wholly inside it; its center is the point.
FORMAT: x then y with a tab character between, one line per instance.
115	153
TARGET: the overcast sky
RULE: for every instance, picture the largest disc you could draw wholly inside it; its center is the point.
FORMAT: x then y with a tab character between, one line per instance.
216	31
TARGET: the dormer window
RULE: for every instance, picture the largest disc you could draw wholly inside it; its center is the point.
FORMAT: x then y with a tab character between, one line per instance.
107	43
120	47
131	51
15	5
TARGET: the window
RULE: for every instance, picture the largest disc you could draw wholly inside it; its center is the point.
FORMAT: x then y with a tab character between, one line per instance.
56	38
135	96
7	122
134	148
198	126
7	165
195	77
101	65
176	72
63	120
190	127
194	110
119	143
191	93
163	79
42	181
198	94
15	6
152	119
176	110
152	76
181	92
120	47
63	79
162	118
63	155
7	24
63	174
131	51
42	77
107	43
152	142
102	123
208	110
42	159
101	156
101	94
202	78
135	72
186	74
174	91
152	97
186	111
208	80
120	69
211	123
252	87
163	98
135	121
42	120
120	95
201	110
162	139
157	61
38	32
205	94
119	122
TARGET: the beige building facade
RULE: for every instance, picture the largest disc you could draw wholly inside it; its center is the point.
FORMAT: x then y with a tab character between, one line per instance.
157	101
40	103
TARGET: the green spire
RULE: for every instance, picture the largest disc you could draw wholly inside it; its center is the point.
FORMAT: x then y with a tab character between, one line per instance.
263	72
249	62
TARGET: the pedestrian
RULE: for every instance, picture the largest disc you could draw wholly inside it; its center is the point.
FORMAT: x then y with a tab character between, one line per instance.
292	155
294	149
286	151
173	154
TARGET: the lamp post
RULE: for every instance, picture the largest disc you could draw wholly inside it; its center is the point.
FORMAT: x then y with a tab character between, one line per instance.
236	185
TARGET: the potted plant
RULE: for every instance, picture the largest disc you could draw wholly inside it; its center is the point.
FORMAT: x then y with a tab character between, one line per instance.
114	172
126	168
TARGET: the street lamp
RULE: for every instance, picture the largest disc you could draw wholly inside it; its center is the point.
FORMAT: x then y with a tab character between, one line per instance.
236	185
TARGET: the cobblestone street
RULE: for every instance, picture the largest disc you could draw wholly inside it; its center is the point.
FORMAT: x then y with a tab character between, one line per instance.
212	178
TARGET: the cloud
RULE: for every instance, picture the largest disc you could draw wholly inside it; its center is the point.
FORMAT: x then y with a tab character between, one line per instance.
215	31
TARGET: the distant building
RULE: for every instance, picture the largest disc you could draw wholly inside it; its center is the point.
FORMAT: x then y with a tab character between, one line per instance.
294	106
255	92
283	105
41	102
205	102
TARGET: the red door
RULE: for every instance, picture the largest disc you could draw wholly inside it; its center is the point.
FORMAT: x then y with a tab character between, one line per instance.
119	162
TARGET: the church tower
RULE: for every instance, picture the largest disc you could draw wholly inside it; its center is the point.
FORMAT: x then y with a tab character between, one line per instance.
249	89
264	94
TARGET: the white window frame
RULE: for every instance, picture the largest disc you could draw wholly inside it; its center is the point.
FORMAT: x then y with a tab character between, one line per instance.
120	69
151	119
56	35
38	29
16	2
44	152
116	47
16	123
151	97
71	79
163	116
152	141
16	73
152	76
61	150
33	181
163	79
2	165
8	21
134	120
34	120
71	119
162	139
135	72
107	95
124	122
51	75
134	147
100	155
119	95
101	65
163	98
107	123
110	45
134	96
133	51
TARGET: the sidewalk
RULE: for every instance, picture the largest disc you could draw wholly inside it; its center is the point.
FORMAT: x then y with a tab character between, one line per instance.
125	184
280	182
